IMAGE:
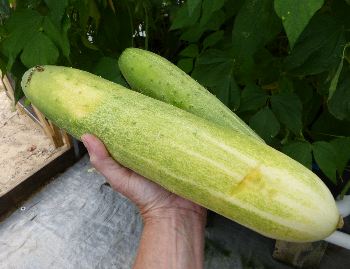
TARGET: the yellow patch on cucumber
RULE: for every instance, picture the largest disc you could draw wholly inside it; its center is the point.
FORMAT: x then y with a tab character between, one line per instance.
251	181
254	182
79	101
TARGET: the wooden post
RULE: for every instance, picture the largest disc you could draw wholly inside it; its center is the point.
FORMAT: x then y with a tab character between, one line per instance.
11	93
8	87
67	139
56	135
50	129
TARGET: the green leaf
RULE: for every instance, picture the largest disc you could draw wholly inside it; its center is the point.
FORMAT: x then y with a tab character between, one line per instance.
311	101
89	13
115	32
227	91
208	8
265	124
285	84
22	25
216	21
311	109
299	151
39	51
25	19
182	18
342	148
250	34
17	71
234	95
267	67
192	34
253	98
214	69
57	9
108	68
319	47
287	107
296	15
190	51
339	104
59	38
65	44
195	31
327	126
192	5
212	39
212	66
340	10
232	7
303	89
326	157
335	79
186	64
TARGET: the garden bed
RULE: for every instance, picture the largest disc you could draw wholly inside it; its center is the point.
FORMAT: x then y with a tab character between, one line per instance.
24	146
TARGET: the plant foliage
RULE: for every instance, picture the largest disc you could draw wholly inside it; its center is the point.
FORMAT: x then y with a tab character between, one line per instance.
281	65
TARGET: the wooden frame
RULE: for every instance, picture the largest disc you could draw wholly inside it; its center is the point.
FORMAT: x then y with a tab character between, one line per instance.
58	137
50	129
13	198
70	151
8	87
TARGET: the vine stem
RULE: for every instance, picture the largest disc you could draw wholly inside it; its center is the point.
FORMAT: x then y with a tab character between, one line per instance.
331	135
111	5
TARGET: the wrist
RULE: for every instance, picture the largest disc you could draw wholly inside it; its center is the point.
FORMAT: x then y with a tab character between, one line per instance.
197	216
172	238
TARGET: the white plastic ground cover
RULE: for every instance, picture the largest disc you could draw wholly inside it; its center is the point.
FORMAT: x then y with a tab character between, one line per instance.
76	221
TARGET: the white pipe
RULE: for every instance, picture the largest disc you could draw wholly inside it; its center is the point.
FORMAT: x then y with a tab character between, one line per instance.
344	206
339	239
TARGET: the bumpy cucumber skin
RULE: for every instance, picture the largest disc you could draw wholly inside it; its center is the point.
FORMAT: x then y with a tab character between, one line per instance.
227	172
154	76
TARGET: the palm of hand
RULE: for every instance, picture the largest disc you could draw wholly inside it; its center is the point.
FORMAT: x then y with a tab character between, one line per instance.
152	200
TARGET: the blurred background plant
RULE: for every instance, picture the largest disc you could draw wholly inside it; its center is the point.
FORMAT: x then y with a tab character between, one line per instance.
281	65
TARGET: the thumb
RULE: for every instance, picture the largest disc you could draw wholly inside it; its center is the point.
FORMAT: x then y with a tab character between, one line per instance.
95	147
117	175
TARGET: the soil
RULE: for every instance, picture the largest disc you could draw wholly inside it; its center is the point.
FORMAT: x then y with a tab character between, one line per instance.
24	147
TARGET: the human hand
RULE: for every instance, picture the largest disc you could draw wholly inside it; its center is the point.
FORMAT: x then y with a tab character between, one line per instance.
153	201
173	234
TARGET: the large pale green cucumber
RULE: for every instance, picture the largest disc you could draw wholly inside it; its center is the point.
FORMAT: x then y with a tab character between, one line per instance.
158	78
227	172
